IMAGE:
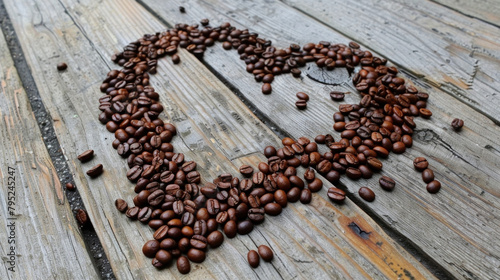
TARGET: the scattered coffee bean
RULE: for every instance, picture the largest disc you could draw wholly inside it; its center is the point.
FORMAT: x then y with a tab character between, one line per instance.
387	183
266	253
150	248
301	104
121	205
86	156
253	258
82	217
420	163
305	196
427	175
95	171
70	187
337	95
336	194
246	170
62	66
366	194
302	96
182	9
183	265
457	124
433	186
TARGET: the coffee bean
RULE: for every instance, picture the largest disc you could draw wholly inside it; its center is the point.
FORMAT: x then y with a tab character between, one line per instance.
121	205
86	156
336	194
246	170
183	265
150	248
425	113
386	183
301	104
302	96
266	253
256	215
269	151
398	147
132	212
161	232
305	196
182	10
433	186
176	59
215	239
427	175
95	171
195	255
315	185
272	209
457	124
245	227
70	187
266	88
366	194
281	197
253	258
82	217
420	163
62	66
337	95
230	229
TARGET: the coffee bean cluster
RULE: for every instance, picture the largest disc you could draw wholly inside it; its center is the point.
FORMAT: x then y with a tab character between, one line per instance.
189	217
421	164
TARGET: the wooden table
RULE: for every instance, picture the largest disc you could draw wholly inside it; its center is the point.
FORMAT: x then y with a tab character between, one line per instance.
450	49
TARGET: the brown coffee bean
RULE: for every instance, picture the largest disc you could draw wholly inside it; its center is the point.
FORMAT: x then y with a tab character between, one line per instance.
62	66
425	113
195	255
256	215
433	186
121	205
230	229
150	248
245	227
366	194
266	253
272	209
269	151
305	196
337	95
281	197
70	187
161	232
301	104
164	257
302	96
336	194
215	239
246	170
427	175
82	217
86	156
183	265
253	258
387	183
420	163
266	88
315	185
95	171
457	124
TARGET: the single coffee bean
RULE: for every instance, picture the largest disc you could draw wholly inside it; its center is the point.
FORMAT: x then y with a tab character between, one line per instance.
387	183
302	96
336	194
215	239
366	194
457	124
246	170
256	215
95	171
433	186
70	187
315	185
305	196
253	258
62	66
337	95
272	209
164	257
121	205
86	156
230	229
183	265
266	88
182	9
420	163
132	213
150	248
280	196
301	104
427	175
293	195
195	255
161	232
399	147
269	151
245	227
265	253
82	217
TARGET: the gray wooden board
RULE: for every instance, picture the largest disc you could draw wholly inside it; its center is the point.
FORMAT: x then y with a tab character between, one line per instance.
453	52
485	10
466	162
42	229
214	128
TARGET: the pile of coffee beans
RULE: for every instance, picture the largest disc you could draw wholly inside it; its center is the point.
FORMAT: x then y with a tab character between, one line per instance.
188	217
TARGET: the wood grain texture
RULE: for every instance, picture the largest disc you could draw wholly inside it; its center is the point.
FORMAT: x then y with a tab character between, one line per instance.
464	162
214	128
450	51
47	239
485	10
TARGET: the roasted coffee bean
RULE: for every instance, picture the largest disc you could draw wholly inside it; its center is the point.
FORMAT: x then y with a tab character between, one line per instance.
387	183
253	258
398	147
62	66
266	253
280	197
183	265
86	156
315	185
269	151
200	227
457	124
305	196
266	88
272	209
195	255
132	213
70	187
302	96
150	248
230	229
337	95
95	171
245	227
256	215
427	175
433	186
161	232
215	239
366	194
144	214
420	163
336	194
246	170
301	104
82	217
121	205
163	257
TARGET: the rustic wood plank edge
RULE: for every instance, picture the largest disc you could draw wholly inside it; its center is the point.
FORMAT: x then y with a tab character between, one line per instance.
45	125
487	12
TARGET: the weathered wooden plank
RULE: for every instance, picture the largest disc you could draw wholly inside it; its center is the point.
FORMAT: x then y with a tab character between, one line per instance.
485	10
465	163
444	48
45	235
84	34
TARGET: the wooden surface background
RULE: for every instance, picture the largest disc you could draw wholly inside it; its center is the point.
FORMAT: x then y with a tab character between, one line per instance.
447	48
